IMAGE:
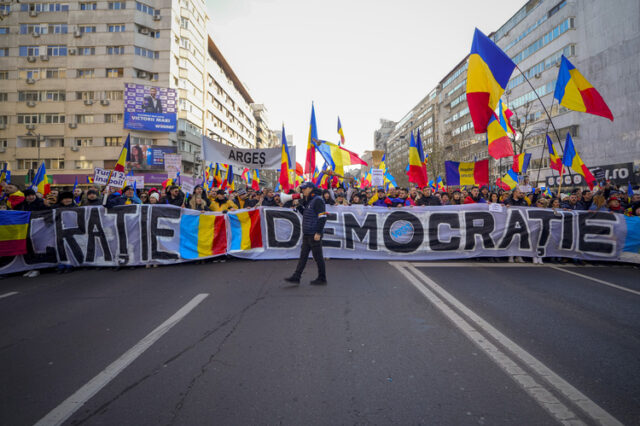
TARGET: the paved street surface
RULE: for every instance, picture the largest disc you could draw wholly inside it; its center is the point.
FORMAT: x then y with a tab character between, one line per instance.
230	343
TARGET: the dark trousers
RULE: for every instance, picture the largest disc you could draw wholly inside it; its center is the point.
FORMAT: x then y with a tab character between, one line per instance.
315	247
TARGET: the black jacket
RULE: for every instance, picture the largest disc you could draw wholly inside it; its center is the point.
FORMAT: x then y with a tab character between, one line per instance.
314	214
37	205
520	202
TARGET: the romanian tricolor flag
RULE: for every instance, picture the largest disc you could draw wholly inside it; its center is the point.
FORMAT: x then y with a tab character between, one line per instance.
572	159
439	186
229	181
124	155
202	235
555	161
470	173
255	180
573	91
521	162
286	164
246	231
499	143
5	175
505	114
340	132
310	163
14	226
41	180
245	175
167	182
417	170
488	73
508	181
337	157
383	166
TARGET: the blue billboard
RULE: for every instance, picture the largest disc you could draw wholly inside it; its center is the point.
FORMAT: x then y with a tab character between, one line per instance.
150	108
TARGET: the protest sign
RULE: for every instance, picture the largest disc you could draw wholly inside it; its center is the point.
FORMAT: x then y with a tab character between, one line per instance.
101	177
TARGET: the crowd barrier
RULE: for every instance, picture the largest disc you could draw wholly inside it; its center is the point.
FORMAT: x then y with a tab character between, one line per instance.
161	234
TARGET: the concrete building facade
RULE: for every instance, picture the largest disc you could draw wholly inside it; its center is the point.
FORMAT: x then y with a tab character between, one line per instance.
63	67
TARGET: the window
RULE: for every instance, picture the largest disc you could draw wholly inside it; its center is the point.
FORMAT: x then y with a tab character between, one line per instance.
88	6
4	51
54	142
28	119
54	163
4	30
4	97
86	51
83	142
4	143
141	51
116	5
113	141
113	118
113	95
115	72
44	7
184	23
115	50
564	26
84	164
4	75
84	96
455	75
4	119
115	28
146	9
57	29
142	141
84	118
28	164
52	118
29	50
56	73
87	29
33	73
55	95
57	50
85	73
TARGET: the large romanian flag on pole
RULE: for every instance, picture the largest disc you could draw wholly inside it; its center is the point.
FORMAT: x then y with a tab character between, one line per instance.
521	163
340	132
572	159
469	173
124	155
499	143
573	91
286	164
417	171
337	157
310	162
488	73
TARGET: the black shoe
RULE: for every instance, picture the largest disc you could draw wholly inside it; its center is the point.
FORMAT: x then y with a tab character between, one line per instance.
293	279
319	281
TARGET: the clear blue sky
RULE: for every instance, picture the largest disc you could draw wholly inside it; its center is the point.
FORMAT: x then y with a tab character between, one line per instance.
360	59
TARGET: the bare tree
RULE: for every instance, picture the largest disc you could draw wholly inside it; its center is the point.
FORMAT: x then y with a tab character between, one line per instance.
526	125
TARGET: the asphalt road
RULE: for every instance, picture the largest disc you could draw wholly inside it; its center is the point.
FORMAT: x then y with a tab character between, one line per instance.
384	343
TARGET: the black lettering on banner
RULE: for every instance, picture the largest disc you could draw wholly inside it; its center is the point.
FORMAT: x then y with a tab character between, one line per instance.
231	155
483	230
437	219
157	213
516	226
66	235
545	217
121	227
263	158
254	157
49	255
95	230
293	218
587	228
331	217
416	238
369	227
567	231
144	234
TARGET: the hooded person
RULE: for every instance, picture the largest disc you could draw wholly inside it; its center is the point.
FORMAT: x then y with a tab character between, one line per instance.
314	217
93	198
65	200
31	202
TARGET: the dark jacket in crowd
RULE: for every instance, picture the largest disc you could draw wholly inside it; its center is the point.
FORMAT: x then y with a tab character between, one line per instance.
168	199
314	214
62	206
96	202
584	204
246	204
269	202
519	202
430	200
37	205
569	206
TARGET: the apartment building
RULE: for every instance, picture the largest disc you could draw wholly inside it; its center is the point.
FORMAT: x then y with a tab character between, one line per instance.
63	68
604	43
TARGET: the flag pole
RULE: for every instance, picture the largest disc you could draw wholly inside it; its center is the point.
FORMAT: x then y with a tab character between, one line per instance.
546	112
544	146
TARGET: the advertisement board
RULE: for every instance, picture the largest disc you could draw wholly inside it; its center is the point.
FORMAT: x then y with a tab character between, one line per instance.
148	157
150	108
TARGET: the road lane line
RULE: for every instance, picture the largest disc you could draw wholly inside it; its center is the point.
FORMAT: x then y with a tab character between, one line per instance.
539	393
607	283
487	265
11	293
588	406
69	406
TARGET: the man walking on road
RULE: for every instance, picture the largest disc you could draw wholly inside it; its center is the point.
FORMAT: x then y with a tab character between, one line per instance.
314	216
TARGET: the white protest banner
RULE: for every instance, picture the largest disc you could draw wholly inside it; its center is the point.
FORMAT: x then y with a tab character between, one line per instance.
261	159
139	180
377	177
172	164
101	177
187	184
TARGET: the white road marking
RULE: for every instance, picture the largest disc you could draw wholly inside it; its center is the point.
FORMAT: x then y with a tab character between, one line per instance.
607	283
69	406
11	293
540	394
489	265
